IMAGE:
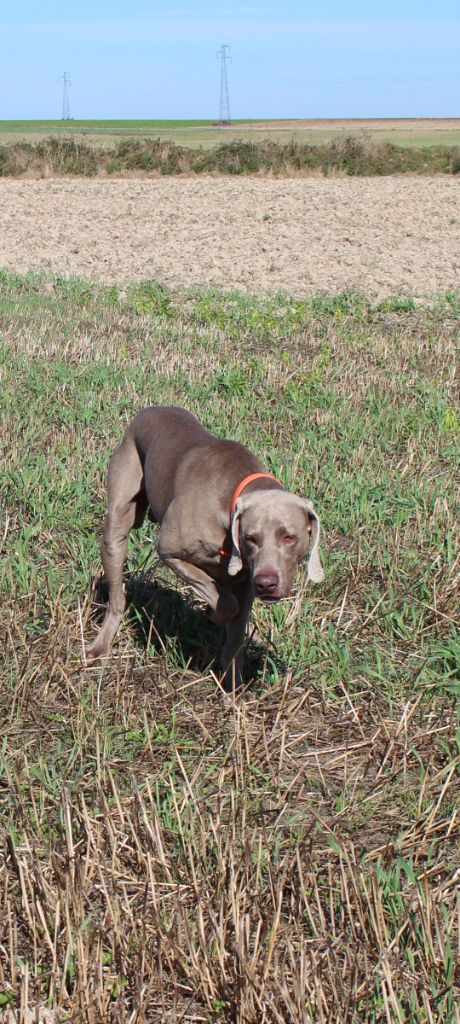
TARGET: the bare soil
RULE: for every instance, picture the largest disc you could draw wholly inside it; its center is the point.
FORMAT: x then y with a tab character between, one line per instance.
417	125
380	236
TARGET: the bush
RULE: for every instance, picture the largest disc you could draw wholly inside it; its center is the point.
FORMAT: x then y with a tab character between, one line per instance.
351	155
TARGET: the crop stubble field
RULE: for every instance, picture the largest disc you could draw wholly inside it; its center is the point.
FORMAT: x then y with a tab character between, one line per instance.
291	855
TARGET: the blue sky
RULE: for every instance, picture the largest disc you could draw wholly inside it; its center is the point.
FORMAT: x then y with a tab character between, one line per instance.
153	60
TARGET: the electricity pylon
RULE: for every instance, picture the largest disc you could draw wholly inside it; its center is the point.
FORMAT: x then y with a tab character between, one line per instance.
224	107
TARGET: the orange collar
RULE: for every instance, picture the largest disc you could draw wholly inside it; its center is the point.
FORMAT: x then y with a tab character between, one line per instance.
238	492
245	483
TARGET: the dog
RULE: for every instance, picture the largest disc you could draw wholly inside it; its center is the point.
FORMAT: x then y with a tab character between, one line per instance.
227	527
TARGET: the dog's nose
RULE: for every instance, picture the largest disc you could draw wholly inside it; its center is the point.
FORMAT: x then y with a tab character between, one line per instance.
266	582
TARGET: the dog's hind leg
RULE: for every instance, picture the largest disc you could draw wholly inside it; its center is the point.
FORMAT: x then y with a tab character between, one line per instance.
127	504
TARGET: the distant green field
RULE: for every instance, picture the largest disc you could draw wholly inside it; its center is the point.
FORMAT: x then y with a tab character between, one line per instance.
108	133
404	132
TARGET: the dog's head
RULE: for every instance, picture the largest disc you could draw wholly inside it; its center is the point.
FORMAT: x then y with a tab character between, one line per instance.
271	533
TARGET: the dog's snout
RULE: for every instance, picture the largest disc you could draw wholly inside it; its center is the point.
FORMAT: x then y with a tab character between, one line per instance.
266	583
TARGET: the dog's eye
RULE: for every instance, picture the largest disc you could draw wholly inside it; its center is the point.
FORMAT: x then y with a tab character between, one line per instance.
288	538
251	539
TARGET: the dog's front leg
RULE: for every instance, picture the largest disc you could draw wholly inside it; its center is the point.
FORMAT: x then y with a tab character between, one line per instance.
222	603
232	653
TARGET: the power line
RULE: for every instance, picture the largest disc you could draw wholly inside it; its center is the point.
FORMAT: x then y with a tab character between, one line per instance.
224	106
347	80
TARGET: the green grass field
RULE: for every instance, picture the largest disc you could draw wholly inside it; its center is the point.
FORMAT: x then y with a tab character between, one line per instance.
404	132
291	856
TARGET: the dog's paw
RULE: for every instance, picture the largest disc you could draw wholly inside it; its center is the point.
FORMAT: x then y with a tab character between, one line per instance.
94	652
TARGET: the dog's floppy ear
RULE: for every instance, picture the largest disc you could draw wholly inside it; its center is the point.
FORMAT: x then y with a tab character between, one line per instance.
315	571
236	563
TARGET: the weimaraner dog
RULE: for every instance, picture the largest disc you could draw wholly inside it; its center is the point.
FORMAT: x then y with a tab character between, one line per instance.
228	528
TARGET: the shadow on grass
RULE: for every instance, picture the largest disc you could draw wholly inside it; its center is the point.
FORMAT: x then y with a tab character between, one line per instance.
161	619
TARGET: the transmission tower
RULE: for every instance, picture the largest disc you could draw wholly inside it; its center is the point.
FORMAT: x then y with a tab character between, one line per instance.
224	108
65	96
